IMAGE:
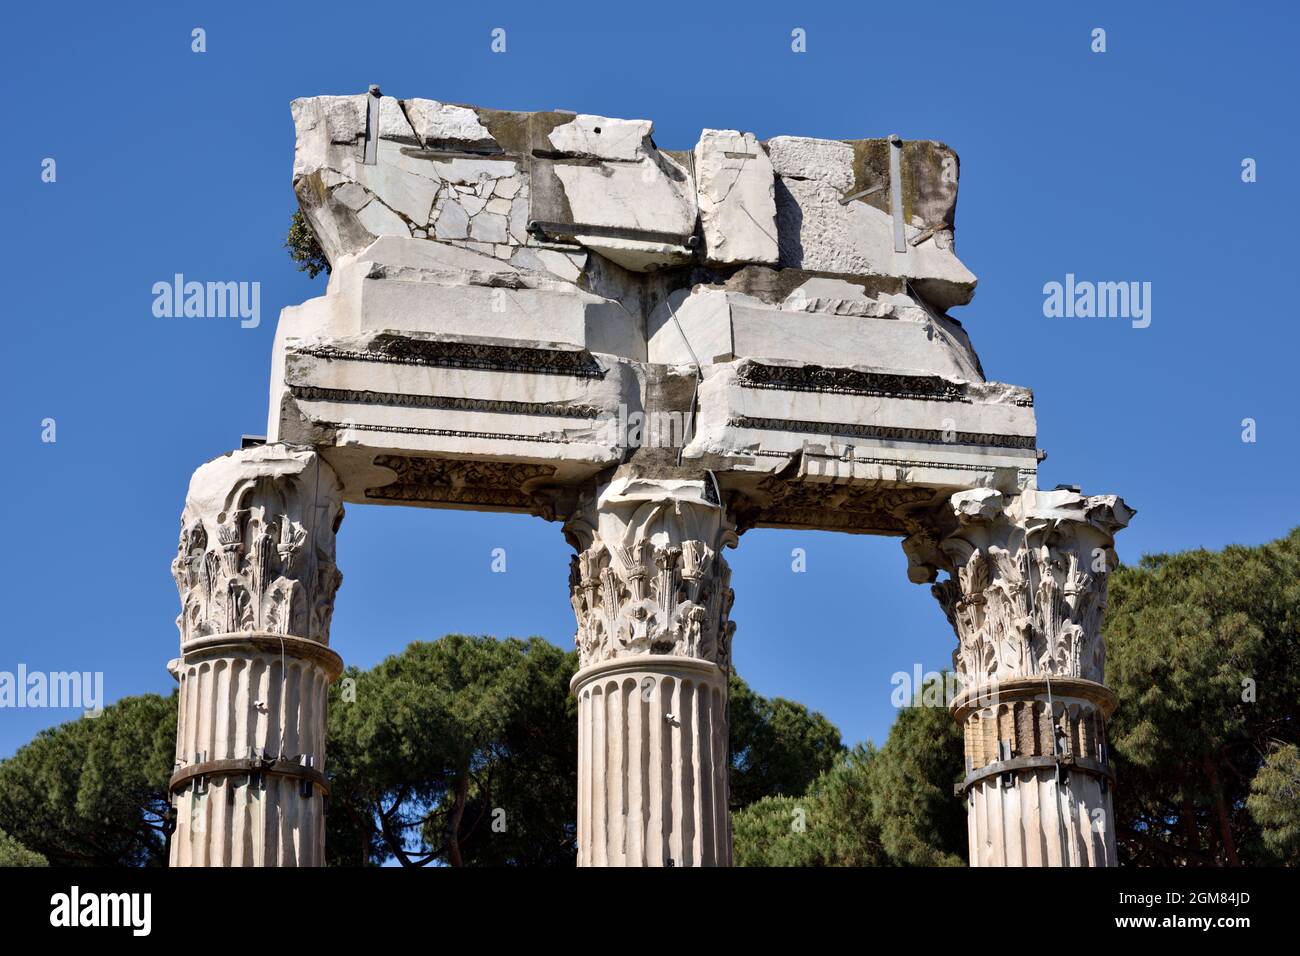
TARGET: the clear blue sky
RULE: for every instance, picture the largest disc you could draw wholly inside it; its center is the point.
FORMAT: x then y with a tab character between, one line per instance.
1116	166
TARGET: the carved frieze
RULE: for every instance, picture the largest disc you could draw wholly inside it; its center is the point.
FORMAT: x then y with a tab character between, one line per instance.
457	403
459	481
835	380
442	353
861	507
847	381
866	430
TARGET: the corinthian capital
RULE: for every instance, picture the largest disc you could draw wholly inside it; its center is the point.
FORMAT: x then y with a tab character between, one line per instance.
649	576
257	545
1026	585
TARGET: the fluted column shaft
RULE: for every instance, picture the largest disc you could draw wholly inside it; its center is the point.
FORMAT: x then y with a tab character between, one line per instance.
652	764
1025	593
256	576
255	721
652	594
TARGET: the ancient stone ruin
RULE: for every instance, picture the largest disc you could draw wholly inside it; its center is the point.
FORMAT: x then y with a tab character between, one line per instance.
545	313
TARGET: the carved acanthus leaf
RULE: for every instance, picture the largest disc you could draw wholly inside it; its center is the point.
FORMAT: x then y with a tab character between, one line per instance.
256	549
652	579
1026	589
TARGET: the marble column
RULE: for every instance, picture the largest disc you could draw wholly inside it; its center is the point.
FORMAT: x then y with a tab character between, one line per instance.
1025	593
651	592
256	574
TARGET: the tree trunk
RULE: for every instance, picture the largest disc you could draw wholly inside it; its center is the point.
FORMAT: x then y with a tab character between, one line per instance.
1189	825
1221	810
453	821
392	839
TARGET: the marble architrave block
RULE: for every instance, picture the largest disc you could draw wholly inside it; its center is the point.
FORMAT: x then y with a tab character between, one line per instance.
509	288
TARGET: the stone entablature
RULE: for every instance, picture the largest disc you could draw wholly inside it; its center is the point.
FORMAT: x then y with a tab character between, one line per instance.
507	285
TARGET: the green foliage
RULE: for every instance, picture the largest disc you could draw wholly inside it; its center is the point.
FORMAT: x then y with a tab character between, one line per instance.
778	746
886	807
13	853
443	736
438	739
842	823
1203	649
1274	804
921	822
536	781
766	833
1203	652
303	247
93	791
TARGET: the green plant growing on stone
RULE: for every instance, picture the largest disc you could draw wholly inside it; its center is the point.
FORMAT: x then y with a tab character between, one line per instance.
303	247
